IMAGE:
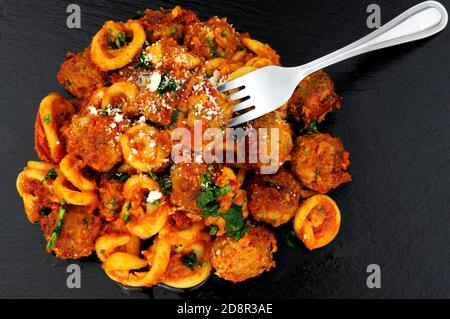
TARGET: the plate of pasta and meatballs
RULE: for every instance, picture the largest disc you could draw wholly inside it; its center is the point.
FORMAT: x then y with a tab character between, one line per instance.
106	183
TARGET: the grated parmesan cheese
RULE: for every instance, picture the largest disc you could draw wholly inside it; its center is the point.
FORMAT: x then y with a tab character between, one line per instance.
153	196
93	110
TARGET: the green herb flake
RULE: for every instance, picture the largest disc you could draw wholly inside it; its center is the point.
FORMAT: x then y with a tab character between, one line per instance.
174	118
190	260
47	118
166	84
51	174
119	41
174	30
235	226
310	128
213	229
165	183
59	225
121	177
223	191
126	218
205	180
143	62
212	47
128	205
290	239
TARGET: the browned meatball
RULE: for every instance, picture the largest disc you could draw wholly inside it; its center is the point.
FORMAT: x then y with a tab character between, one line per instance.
270	155
167	23
78	234
320	162
79	75
314	98
111	197
249	257
94	139
273	199
211	39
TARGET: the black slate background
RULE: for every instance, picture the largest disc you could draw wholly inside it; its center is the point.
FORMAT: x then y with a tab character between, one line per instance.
395	123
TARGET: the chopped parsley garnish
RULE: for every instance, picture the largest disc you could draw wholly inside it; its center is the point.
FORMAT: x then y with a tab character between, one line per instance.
207	200
86	221
119	41
51	174
213	229
241	48
190	260
45	211
174	117
126	218
59	225
174	30
235	226
205	180
137	15
310	128
47	118
129	205
290	239
166	84
223	191
165	183
142	62
121	177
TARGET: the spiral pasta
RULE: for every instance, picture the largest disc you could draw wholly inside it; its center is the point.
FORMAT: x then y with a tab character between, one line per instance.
109	58
49	143
71	167
145	217
63	191
145	148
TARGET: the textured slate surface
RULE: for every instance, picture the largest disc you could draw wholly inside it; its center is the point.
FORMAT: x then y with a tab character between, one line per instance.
395	122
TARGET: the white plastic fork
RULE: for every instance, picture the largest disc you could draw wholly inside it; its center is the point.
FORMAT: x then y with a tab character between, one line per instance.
266	89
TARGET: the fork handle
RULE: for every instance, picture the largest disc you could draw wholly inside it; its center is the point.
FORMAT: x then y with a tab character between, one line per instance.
421	21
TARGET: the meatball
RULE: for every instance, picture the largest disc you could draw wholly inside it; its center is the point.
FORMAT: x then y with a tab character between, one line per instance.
320	162
93	139
79	75
249	257
167	23
204	103
314	98
111	197
273	199
211	39
270	157
78	234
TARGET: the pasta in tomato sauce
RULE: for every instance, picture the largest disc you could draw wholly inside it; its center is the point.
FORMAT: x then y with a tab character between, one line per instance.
106	182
